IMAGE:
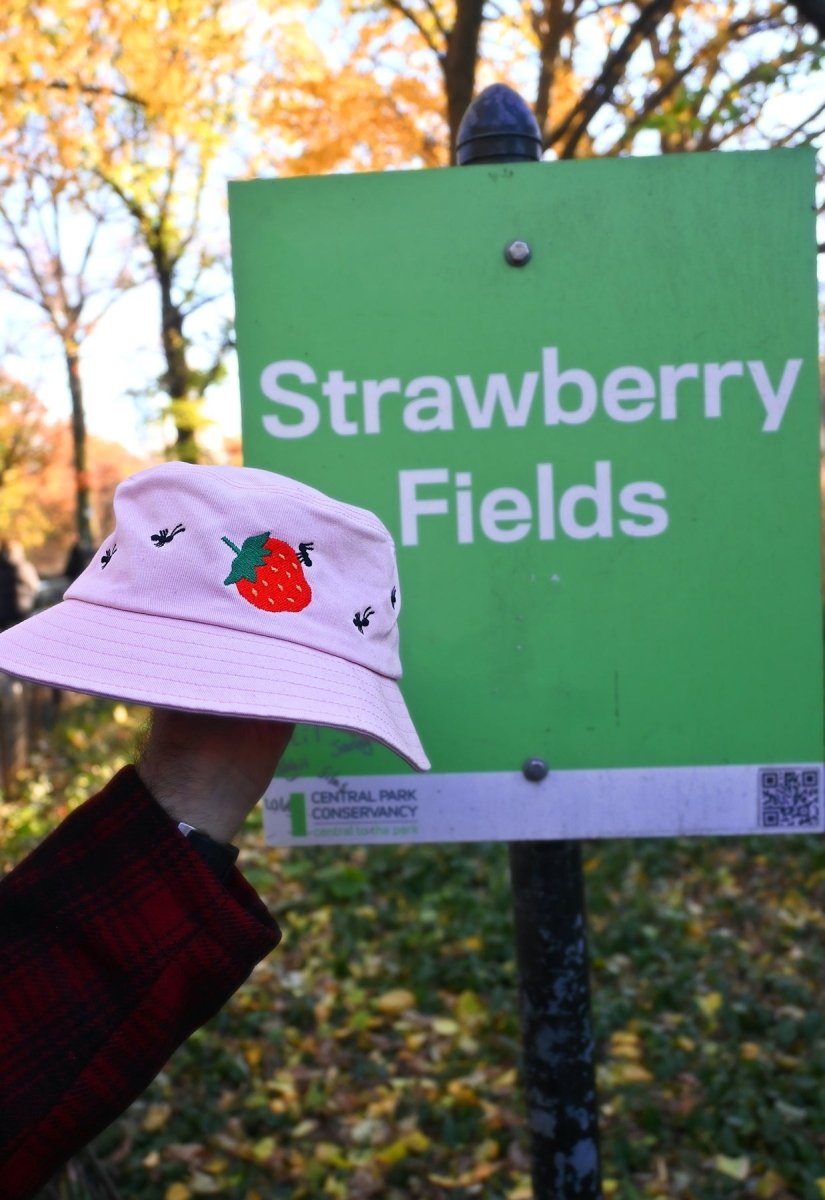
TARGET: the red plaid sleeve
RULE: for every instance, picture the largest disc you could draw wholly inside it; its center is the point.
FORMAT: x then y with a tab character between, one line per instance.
116	943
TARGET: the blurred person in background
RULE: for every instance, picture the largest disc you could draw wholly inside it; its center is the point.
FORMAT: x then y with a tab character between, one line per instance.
19	583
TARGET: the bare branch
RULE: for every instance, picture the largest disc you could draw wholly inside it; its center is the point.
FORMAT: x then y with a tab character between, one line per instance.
637	119
797	129
93	89
414	18
200	187
708	141
600	92
18	290
39	284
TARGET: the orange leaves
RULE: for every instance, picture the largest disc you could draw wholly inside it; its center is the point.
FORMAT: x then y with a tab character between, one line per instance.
105	76
348	118
332	107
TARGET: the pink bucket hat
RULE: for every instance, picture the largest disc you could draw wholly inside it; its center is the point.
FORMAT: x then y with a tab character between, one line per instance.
236	591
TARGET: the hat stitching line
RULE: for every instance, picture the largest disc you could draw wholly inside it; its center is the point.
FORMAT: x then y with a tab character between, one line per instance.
354	686
312	697
234	629
389	728
235	641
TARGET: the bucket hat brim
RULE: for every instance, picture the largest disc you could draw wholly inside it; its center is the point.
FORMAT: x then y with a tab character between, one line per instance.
198	667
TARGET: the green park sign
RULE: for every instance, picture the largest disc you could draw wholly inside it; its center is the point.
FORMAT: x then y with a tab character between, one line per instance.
601	470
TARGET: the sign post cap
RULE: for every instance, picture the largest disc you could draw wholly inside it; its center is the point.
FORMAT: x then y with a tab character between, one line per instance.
499	126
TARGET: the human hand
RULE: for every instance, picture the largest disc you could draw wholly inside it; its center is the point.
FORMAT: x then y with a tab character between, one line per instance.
210	771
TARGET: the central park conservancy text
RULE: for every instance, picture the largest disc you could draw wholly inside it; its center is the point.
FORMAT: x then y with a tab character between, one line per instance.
562	396
364	812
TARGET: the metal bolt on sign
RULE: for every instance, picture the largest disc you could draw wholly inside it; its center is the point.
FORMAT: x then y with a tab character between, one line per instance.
518	253
535	769
547	878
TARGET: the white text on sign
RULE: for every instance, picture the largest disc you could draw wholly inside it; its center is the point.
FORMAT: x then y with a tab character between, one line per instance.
507	514
628	394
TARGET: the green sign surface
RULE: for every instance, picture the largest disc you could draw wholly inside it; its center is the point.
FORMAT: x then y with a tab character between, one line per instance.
601	469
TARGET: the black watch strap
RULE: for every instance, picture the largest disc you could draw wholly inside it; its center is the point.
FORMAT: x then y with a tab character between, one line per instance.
220	857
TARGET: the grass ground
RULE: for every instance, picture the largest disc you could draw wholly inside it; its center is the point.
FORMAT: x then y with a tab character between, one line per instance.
376	1052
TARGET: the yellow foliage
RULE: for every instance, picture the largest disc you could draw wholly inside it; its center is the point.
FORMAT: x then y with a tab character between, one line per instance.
177	1191
156	1117
710	1003
630	1072
411	1143
253	1053
771	1184
624	1043
488	1151
204	1185
263	1149
302	1129
331	1155
467	1179
395	1002
733	1168
384	1106
461	1091
330	115
446	1027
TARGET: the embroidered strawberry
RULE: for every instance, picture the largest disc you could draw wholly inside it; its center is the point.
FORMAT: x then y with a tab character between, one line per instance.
268	574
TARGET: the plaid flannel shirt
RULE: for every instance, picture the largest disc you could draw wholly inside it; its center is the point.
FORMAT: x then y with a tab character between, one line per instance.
116	943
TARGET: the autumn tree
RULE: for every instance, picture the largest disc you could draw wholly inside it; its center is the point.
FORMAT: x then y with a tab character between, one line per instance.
151	104
109	464
51	229
37	476
603	78
328	111
155	104
159	140
28	445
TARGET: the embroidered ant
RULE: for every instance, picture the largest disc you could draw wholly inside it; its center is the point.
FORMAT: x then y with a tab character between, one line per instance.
361	622
393	597
107	557
160	539
303	553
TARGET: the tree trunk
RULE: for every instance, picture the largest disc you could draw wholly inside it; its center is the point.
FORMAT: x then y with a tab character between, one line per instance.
459	64
183	407
82	492
551	25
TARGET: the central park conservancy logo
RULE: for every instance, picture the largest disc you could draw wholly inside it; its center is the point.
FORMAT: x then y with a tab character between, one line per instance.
298	814
390	812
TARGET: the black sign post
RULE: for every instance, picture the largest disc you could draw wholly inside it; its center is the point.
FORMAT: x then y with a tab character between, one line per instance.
547	879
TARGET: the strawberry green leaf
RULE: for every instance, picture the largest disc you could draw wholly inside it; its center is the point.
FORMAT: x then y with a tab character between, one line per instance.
252	554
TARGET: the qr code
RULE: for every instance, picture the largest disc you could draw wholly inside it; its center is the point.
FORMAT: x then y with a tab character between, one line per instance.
789	799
